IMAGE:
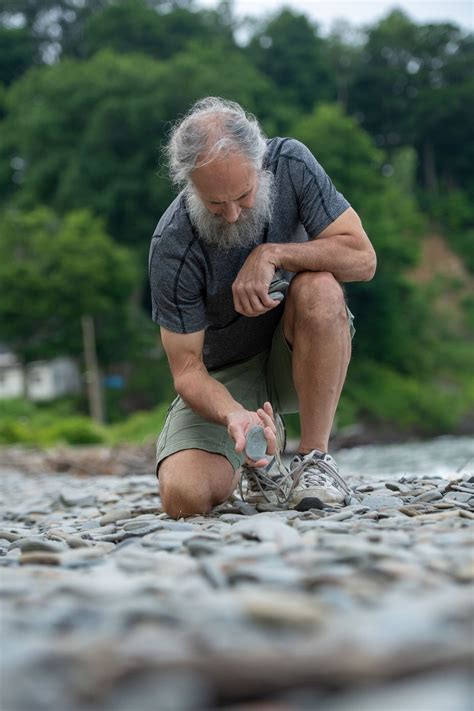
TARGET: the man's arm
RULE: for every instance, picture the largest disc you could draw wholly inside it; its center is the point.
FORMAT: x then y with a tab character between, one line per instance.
207	396
203	394
342	248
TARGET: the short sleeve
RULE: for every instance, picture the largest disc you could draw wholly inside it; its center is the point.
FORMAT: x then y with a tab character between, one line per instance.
177	288
319	202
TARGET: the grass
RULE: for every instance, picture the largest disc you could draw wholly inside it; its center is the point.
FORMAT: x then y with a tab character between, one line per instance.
22	422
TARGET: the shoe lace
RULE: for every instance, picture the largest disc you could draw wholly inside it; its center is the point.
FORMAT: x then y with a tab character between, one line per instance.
318	470
260	481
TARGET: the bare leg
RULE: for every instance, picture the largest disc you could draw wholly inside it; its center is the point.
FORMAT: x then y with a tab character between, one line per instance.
315	324
193	481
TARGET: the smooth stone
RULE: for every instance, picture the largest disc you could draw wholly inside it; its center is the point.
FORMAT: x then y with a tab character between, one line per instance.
379	501
72	541
8	536
166	540
255	444
200	545
113	516
32	544
428	496
142	526
74	499
461	496
265	528
245	508
281	609
177	526
39	558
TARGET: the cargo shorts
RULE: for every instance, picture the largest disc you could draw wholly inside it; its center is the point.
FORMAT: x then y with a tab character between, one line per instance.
266	376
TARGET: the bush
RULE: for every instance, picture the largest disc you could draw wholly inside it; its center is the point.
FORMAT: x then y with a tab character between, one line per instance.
75	430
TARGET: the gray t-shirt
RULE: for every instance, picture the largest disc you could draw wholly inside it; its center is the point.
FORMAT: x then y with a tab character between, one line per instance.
191	282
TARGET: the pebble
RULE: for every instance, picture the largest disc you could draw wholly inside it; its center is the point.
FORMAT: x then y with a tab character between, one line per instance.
108	603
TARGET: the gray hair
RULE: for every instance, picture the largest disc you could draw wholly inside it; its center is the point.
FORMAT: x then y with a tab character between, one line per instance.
213	127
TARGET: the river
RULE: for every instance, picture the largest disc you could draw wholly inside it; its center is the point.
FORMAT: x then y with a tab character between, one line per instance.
443	456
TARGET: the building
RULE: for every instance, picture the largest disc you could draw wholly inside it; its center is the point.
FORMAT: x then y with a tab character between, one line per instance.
12	378
49	379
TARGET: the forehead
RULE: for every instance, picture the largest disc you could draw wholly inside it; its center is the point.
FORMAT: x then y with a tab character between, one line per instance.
226	179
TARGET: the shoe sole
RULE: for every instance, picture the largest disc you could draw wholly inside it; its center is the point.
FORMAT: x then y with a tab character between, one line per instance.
310	499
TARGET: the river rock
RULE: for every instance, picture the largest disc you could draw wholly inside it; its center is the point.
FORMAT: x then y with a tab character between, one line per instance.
379	501
265	528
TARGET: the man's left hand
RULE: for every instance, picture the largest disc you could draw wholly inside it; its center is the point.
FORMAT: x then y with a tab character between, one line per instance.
250	288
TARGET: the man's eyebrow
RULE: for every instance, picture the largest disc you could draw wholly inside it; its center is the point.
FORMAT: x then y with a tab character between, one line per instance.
221	202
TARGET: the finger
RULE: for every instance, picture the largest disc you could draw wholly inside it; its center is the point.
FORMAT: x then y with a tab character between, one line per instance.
271	440
266	419
238	436
267	406
260	463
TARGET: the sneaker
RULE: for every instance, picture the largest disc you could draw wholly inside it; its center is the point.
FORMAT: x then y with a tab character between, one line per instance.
266	484
316	482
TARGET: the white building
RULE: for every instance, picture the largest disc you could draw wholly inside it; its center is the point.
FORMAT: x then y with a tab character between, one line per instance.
49	379
12	379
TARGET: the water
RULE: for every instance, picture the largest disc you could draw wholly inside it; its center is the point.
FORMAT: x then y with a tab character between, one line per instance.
444	457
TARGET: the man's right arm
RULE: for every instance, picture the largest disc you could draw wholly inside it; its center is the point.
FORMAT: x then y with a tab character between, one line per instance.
210	398
199	390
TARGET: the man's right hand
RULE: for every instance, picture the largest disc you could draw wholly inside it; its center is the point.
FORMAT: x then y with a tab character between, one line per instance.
239	423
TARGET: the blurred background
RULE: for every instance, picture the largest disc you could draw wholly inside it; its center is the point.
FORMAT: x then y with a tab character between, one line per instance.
88	90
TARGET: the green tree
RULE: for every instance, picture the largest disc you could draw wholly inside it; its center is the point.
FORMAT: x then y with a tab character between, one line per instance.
18	52
289	51
414	86
87	134
55	270
134	26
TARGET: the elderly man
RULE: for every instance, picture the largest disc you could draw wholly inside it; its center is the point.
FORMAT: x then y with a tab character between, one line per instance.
251	210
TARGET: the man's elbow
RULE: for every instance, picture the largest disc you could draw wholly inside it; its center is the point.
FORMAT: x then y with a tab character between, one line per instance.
370	265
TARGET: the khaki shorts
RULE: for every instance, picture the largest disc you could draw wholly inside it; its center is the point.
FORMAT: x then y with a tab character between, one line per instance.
266	376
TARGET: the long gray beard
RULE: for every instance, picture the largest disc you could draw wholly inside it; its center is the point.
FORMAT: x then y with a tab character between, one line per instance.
215	231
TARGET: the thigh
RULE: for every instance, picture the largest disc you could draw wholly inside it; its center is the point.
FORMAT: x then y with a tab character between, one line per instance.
279	375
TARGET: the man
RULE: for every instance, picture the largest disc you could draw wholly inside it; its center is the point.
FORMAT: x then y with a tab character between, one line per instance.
251	210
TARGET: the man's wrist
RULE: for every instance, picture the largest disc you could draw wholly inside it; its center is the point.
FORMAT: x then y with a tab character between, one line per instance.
235	411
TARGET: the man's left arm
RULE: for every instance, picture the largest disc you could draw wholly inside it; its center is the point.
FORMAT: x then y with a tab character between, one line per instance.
342	248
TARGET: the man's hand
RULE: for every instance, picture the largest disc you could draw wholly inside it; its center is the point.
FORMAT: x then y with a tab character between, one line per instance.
239	423
250	288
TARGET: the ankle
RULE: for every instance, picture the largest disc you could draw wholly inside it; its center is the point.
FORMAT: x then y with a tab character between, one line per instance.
306	450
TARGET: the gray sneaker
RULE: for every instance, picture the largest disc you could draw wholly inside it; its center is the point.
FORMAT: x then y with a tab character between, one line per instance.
316	482
267	484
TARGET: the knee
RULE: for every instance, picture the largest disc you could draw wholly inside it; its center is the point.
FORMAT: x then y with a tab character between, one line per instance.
318	297
178	501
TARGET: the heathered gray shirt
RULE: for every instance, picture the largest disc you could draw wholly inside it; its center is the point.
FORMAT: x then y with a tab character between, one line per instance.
191	282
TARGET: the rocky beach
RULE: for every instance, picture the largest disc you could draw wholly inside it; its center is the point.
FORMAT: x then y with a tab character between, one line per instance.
108	604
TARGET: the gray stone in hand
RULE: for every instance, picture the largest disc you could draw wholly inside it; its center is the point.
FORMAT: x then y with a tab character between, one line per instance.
256	444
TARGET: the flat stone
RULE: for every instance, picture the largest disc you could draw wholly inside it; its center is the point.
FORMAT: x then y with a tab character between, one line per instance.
35	543
8	536
40	558
379	501
74	499
255	444
265	528
113	516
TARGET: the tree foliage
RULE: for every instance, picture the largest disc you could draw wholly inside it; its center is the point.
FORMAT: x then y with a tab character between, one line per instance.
289	51
53	271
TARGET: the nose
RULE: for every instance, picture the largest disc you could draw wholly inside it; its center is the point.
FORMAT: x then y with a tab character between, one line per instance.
232	212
